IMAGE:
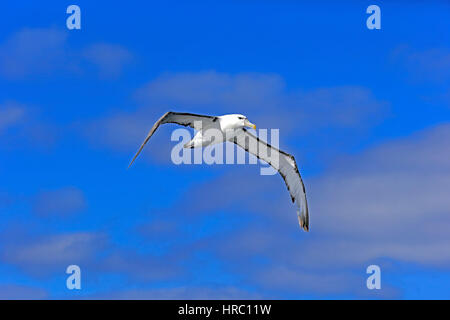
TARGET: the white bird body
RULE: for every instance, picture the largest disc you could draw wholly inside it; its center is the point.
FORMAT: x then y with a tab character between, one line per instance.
227	124
231	127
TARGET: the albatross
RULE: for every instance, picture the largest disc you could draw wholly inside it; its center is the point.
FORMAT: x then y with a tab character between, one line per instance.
237	124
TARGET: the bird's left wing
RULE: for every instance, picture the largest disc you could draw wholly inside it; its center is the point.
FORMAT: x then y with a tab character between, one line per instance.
184	119
286	166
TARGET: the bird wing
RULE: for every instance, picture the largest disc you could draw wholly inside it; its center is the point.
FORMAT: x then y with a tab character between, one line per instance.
286	167
184	119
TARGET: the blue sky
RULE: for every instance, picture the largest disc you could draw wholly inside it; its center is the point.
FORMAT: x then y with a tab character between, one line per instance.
365	112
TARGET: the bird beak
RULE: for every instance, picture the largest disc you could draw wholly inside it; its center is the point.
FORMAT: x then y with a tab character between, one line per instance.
249	124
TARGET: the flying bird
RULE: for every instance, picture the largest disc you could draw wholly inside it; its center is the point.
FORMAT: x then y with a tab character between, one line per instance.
237	124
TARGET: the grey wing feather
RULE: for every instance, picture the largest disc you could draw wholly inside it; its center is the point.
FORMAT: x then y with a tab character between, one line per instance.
184	119
286	167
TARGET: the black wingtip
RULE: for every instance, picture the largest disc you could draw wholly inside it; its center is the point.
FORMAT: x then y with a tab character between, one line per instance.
303	221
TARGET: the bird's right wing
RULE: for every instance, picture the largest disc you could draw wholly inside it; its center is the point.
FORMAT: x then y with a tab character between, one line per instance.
286	166
184	119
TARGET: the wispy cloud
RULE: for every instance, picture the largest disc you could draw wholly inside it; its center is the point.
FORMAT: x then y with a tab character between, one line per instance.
21	292
109	58
264	98
21	126
382	195
431	64
142	267
46	51
177	293
33	51
364	210
45	255
59	203
48	255
11	113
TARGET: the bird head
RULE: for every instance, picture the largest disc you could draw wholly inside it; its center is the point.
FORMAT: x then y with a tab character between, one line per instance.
241	121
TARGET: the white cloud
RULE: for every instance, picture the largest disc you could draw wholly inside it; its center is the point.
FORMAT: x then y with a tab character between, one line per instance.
109	58
45	51
21	292
59	203
21	126
43	255
389	203
264	98
177	293
393	199
11	113
32	51
430	64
